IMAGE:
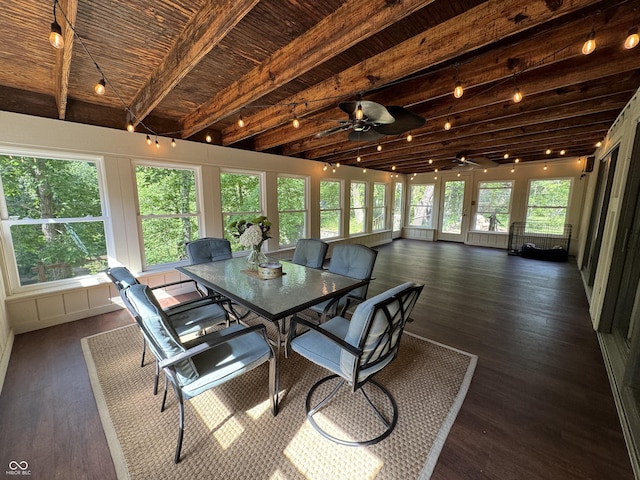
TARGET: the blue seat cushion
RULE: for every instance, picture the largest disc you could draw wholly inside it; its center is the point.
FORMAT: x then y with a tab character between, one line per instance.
227	360
187	321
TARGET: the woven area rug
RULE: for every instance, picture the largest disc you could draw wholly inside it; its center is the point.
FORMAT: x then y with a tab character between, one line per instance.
230	432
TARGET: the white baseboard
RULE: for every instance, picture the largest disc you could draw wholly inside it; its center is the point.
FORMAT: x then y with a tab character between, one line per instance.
4	361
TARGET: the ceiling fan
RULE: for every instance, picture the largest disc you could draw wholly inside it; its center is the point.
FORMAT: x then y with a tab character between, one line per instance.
370	121
464	159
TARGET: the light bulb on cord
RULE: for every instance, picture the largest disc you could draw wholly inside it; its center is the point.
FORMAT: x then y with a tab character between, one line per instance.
590	44
458	91
447	125
505	156
358	158
517	95
148	140
157	144
545	166
173	142
409	138
208	138
130	127
379	148
295	122
548	151
632	39
100	87
240	122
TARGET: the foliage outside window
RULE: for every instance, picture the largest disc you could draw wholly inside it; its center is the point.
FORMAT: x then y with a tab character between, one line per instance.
547	205
330	208
53	217
452	207
421	205
397	206
358	209
379	206
168	212
240	194
292	209
494	202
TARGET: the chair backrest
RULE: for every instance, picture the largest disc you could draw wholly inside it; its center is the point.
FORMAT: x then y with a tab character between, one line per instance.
355	261
158	331
376	327
310	252
121	277
208	249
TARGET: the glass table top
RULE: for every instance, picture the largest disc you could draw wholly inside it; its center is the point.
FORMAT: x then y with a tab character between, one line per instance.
298	288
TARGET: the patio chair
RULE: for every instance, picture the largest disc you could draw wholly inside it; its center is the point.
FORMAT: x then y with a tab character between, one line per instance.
189	318
355	261
310	252
354	351
216	358
208	249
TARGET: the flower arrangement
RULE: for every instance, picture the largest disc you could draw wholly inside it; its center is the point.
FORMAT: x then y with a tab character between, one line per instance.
251	233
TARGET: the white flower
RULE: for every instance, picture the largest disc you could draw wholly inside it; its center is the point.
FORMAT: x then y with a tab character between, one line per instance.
251	236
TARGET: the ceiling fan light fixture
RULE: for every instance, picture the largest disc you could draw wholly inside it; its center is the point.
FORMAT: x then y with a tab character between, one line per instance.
100	87
359	114
590	43
632	38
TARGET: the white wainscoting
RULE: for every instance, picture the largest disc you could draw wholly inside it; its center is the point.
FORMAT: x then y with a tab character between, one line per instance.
488	239
417	233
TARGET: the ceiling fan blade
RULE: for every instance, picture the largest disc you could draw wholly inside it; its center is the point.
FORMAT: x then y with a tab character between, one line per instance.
331	131
365	136
405	121
373	112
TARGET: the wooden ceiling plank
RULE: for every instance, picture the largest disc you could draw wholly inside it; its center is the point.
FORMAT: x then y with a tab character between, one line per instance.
63	56
607	64
485	69
206	29
487	23
348	25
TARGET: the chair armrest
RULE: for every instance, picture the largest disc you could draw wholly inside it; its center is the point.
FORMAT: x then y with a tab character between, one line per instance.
196	303
170	284
213	341
335	339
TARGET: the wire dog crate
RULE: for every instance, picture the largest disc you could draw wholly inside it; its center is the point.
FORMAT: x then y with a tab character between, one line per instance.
539	240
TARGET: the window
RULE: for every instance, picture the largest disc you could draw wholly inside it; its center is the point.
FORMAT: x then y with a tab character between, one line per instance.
241	197
379	206
421	205
168	212
53	216
547	205
494	201
397	206
330	208
292	209
358	209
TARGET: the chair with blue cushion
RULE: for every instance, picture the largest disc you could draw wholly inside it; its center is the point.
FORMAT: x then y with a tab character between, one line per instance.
355	261
208	249
310	252
354	351
195	368
189	318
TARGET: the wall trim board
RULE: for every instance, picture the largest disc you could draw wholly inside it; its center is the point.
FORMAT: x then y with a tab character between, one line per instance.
6	355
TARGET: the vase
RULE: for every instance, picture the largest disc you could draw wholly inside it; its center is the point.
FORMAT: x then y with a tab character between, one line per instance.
256	257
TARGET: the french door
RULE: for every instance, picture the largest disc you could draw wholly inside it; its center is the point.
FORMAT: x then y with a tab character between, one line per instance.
453	221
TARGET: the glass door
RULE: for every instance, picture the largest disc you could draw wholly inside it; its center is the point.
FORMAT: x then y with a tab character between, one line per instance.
454	221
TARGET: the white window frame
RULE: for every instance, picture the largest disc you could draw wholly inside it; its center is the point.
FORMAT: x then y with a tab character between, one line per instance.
340	208
411	205
8	250
305	210
398	205
363	208
566	207
382	208
477	211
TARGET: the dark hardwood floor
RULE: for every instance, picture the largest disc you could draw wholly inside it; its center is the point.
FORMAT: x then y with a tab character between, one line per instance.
539	406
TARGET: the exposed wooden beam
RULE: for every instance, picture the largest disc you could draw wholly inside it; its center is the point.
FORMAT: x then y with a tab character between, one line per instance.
63	56
487	23
527	56
206	29
348	25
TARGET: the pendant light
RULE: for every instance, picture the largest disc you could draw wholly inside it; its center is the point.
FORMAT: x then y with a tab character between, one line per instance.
632	39
55	37
590	43
100	87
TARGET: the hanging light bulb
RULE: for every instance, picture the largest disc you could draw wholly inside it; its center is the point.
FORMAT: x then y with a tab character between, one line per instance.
590	44
632	39
333	169
436	170
173	142
430	161
208	138
393	167
447	125
100	87
458	173
130	127
598	144
513	169
324	167
409	138
295	122
359	113
435	177
545	166
505	156
517	95
562	152
157	143
458	91
55	37
548	151
148	140
240	122
485	170
379	148
338	164
358	158
517	160
364	170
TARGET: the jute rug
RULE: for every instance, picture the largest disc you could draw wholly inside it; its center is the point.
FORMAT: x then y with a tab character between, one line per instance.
230	432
